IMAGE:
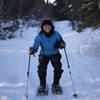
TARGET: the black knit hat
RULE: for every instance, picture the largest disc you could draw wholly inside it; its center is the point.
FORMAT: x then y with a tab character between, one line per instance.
47	22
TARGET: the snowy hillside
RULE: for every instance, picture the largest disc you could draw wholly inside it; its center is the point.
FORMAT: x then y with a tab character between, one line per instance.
84	57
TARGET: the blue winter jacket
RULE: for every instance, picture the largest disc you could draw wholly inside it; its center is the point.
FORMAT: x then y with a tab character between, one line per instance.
47	43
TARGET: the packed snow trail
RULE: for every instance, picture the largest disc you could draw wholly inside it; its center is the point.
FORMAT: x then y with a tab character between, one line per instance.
84	57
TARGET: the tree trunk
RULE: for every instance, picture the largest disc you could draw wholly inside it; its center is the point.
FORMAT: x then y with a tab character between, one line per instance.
47	1
99	4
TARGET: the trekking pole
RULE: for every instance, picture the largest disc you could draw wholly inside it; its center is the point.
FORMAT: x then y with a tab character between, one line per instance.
28	75
75	94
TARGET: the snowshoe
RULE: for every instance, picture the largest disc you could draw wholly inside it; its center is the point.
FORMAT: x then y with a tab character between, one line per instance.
42	90
57	89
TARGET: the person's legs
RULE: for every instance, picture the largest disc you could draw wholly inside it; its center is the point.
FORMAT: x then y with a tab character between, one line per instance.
42	68
55	60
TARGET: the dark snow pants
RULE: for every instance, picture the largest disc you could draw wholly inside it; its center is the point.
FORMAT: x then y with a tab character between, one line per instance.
42	68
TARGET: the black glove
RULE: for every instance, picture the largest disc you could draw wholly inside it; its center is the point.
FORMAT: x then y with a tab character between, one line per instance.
32	50
58	44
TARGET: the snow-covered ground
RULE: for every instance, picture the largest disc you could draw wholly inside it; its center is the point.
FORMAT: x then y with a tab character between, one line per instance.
84	57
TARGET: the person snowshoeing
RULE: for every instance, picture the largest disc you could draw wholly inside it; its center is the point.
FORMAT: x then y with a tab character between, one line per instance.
50	42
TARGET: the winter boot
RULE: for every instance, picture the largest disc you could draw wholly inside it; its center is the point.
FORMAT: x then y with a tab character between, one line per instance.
57	89
42	90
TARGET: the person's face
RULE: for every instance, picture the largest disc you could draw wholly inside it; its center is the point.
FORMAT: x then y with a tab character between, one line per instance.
47	28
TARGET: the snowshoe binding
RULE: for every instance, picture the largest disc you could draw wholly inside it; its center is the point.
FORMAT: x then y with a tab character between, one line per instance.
42	90
57	89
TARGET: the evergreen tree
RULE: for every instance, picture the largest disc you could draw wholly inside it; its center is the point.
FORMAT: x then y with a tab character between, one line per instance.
61	9
20	8
90	13
1	9
75	15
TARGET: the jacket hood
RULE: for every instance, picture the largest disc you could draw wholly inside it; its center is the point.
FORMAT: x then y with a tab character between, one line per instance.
47	22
